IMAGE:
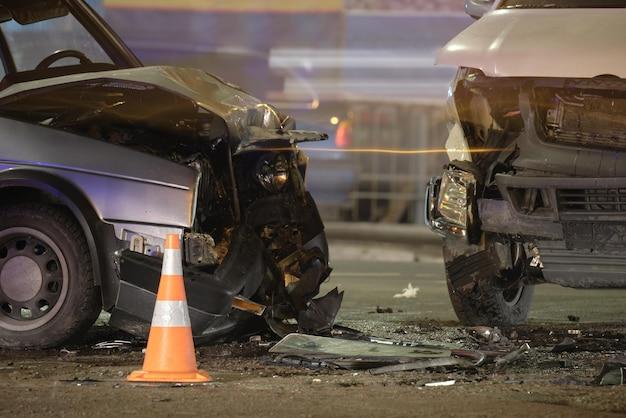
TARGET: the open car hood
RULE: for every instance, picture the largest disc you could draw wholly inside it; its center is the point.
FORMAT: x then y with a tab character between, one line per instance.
249	120
566	43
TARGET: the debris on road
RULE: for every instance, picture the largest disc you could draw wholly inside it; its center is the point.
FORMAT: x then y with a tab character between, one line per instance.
444	383
487	334
383	310
379	355
108	345
566	344
421	365
586	343
613	372
351	353
512	356
555	364
80	382
319	317
573	318
408	292
302	344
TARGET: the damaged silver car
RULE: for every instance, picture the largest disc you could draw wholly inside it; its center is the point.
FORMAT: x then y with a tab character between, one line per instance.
535	191
101	157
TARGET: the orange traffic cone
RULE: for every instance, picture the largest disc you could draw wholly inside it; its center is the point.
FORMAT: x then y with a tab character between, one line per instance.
170	355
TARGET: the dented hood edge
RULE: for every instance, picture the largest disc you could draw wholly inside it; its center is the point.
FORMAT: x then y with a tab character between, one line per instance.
249	120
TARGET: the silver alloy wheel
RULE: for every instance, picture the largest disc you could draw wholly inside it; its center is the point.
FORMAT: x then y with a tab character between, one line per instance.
34	279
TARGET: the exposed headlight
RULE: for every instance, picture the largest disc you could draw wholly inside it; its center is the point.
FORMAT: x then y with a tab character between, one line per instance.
273	172
453	197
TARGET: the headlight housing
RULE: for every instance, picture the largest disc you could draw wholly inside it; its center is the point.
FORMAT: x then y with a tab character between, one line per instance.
272	172
453	199
450	203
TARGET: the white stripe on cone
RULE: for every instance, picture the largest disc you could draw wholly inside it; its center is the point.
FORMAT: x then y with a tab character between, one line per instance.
171	313
172	263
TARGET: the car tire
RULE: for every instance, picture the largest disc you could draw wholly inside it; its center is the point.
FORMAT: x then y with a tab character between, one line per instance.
475	287
47	290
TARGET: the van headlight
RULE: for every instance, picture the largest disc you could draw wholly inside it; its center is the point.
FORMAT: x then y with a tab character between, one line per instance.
454	197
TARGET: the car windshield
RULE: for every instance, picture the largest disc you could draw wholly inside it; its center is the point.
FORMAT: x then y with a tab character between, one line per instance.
48	38
561	4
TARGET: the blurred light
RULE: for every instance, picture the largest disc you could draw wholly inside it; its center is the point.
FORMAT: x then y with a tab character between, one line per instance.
343	135
334	120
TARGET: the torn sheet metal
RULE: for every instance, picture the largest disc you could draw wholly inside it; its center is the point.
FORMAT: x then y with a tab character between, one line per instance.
257	136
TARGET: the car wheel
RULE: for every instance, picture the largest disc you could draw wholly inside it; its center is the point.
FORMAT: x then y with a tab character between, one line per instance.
478	291
47	290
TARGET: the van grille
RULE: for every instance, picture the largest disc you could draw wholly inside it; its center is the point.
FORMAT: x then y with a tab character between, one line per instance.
592	200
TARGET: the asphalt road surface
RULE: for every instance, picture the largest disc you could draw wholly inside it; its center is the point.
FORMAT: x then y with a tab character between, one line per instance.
368	284
82	381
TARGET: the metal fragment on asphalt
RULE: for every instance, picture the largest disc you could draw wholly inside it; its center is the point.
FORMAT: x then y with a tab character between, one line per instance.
111	344
512	356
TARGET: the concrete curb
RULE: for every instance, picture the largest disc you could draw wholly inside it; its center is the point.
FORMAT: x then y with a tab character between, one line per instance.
405	234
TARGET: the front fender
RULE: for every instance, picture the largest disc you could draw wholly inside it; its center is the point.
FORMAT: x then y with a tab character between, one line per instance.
97	234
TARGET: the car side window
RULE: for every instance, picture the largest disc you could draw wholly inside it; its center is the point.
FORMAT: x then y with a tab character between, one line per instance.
31	43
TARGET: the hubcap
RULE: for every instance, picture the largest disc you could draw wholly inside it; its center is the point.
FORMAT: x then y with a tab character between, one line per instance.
33	279
20	278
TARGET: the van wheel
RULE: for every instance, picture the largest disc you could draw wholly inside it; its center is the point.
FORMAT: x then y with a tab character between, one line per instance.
477	290
47	290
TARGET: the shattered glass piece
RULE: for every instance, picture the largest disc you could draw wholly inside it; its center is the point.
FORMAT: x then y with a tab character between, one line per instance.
422	364
306	345
613	372
613	377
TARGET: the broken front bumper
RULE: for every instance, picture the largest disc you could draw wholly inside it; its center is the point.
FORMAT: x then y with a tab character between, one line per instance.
248	270
210	295
577	223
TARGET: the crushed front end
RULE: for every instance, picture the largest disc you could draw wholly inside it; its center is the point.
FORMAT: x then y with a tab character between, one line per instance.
253	240
534	191
538	162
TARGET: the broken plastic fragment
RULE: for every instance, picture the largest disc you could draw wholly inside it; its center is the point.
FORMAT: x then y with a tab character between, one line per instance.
408	292
444	383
